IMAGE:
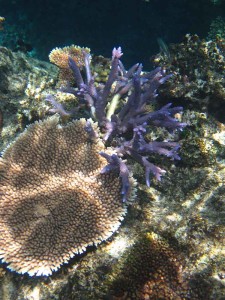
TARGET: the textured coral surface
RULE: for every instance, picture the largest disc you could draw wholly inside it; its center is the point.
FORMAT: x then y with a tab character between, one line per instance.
59	57
151	270
198	68
54	201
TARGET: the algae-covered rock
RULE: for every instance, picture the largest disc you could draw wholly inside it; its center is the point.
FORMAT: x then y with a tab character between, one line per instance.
24	83
198	74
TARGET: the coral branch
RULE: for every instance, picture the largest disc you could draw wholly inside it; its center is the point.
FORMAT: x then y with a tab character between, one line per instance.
57	107
116	163
119	106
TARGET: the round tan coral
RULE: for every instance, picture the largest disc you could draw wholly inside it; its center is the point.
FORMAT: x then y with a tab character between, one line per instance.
53	200
60	57
151	269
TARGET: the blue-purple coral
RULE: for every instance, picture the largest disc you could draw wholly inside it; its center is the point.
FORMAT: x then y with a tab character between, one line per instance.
119	107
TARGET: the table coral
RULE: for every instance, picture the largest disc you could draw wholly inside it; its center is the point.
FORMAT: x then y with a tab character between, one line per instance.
198	67
54	200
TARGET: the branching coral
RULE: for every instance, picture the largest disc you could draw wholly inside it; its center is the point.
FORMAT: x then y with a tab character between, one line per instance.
119	106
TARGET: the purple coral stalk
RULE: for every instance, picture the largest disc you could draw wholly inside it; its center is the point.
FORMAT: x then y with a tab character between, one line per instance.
116	163
57	107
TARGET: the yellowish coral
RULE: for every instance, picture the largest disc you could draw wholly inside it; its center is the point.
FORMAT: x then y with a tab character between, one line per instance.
54	201
60	56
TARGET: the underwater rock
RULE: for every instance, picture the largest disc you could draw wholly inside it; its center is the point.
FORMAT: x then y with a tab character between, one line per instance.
24	82
198	67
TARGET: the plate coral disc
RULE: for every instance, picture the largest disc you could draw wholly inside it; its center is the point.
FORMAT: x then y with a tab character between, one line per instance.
54	201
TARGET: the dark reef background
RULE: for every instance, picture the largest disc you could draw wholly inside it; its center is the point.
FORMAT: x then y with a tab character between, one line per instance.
134	25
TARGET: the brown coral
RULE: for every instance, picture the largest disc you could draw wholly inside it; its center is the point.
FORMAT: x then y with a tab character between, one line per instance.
60	56
151	270
53	200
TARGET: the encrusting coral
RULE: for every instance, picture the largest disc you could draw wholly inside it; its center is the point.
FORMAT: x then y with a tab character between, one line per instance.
150	270
54	199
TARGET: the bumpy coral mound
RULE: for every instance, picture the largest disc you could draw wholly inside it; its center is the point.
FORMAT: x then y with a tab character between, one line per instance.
60	57
53	200
151	270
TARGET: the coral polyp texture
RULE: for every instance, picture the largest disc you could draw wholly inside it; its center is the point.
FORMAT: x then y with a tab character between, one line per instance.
60	56
54	200
151	270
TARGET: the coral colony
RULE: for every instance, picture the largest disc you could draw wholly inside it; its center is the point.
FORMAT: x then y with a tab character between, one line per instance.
119	107
59	185
54	201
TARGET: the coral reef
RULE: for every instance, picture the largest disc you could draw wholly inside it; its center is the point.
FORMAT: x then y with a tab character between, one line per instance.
54	200
120	108
45	152
151	270
185	209
198	68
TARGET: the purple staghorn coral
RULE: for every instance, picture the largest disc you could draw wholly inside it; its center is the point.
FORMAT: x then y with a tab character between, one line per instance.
119	107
